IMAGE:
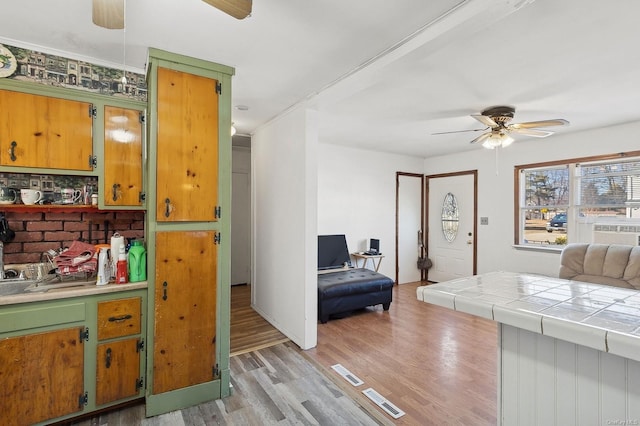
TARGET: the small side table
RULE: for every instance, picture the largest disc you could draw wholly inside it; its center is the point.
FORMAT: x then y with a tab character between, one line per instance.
366	257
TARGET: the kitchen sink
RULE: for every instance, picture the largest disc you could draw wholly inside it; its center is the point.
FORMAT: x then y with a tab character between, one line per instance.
15	286
20	284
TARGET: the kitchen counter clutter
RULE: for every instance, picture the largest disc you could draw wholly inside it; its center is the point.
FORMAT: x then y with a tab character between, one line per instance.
568	351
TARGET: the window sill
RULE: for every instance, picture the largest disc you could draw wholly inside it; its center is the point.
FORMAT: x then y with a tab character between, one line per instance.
547	249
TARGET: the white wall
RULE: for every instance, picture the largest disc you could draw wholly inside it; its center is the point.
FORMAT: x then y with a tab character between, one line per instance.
357	197
496	191
284	182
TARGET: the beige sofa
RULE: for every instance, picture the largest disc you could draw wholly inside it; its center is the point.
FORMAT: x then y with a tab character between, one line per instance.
609	264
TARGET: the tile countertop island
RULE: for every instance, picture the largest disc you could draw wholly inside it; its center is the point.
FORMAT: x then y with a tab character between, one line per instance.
569	352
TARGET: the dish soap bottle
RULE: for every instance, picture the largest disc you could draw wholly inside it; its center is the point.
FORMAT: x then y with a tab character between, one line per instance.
121	267
137	262
104	267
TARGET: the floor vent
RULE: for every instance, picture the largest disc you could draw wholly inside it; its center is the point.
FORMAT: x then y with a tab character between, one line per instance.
348	375
390	409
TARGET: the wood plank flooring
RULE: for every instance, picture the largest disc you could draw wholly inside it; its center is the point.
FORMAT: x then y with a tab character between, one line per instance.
437	365
249	331
271	386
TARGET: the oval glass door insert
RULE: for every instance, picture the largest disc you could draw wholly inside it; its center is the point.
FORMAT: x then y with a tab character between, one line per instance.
450	217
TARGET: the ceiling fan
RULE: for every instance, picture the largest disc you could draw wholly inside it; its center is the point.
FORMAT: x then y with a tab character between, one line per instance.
110	13
498	131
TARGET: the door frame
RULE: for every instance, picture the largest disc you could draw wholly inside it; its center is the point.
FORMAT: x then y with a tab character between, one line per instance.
423	275
475	212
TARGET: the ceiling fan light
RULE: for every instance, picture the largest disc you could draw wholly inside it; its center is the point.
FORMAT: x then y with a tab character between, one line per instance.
497	140
506	140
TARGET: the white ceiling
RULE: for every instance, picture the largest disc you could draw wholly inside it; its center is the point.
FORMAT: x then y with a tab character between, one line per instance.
384	75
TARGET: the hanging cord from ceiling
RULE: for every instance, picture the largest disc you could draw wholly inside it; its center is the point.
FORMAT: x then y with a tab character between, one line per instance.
124	45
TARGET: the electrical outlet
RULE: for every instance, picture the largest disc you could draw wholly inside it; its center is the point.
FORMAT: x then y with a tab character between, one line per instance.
484	220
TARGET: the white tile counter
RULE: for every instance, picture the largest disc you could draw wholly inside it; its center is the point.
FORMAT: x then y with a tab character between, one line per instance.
598	316
568	351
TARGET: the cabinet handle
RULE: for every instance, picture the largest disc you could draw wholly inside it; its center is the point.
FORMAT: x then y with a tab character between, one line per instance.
164	291
116	190
12	151
167	210
120	318
107	358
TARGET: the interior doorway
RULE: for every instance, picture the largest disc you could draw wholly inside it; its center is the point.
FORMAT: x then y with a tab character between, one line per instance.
240	228
452	224
409	226
241	211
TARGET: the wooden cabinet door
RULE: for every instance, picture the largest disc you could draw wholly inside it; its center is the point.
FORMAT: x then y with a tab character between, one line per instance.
42	376
122	157
44	132
117	370
185	309
187	144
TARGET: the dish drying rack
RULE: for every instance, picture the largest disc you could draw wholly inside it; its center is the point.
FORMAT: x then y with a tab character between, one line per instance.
47	271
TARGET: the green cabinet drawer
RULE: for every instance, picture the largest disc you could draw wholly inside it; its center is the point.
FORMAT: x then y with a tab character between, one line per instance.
28	317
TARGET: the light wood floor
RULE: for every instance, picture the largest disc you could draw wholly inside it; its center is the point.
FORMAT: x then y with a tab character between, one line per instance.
437	365
271	386
249	331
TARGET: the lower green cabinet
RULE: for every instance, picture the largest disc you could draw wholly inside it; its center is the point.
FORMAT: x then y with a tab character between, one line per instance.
67	357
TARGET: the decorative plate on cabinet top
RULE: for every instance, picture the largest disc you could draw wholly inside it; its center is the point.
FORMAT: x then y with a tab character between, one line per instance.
8	63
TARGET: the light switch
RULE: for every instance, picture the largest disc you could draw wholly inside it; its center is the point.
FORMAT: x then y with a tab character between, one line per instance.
484	220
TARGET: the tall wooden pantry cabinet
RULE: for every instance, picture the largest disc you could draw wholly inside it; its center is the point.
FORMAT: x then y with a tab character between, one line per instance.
188	231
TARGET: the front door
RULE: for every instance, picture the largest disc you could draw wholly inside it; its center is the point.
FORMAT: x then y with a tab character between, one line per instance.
451	219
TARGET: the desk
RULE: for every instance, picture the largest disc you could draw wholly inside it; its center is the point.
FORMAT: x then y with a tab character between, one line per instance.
568	345
366	257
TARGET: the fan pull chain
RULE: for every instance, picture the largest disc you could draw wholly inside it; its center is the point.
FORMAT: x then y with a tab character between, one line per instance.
124	45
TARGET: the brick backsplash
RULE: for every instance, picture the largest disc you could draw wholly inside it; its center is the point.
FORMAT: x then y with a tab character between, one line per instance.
41	231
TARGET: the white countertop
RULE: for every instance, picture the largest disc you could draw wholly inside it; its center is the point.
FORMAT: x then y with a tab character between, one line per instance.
67	292
598	316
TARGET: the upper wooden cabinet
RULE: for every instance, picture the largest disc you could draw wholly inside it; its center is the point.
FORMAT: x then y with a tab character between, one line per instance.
122	157
187	147
45	132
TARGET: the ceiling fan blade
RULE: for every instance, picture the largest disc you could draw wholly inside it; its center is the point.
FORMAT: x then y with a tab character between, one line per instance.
239	9
486	120
543	123
531	132
460	131
481	138
108	14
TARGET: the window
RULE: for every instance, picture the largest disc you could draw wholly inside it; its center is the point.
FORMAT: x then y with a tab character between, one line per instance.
596	199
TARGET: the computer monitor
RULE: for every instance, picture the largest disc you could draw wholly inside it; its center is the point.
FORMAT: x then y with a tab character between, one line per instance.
333	252
374	246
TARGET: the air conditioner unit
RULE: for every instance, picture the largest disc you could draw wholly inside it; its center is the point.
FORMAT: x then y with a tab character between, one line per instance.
610	233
